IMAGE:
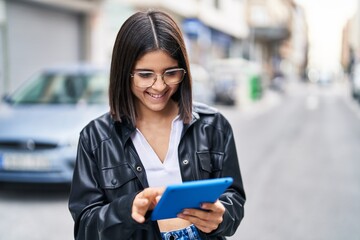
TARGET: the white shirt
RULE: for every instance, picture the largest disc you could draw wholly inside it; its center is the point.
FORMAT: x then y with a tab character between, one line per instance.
160	173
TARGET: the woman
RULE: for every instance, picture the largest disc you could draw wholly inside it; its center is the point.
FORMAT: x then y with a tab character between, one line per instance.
152	137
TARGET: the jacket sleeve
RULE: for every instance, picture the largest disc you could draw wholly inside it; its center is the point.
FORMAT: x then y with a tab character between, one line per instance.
95	217
234	197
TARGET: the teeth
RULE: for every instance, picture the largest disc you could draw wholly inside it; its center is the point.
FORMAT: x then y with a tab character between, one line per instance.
156	95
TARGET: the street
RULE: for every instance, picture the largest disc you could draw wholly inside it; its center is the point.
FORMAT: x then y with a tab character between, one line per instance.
299	156
301	169
34	213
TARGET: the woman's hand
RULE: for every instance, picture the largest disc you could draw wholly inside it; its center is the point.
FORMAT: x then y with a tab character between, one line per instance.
207	220
144	201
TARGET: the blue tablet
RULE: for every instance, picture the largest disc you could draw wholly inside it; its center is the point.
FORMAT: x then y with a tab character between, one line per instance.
189	195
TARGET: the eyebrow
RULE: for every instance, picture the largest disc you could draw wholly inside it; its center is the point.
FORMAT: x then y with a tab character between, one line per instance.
150	70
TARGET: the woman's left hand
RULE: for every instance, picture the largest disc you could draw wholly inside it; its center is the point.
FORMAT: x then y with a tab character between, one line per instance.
207	220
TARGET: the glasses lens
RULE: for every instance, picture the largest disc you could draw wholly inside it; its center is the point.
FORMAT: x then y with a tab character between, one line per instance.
173	76
144	78
147	78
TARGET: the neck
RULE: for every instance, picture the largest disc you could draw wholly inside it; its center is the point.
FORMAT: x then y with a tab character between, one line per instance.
168	114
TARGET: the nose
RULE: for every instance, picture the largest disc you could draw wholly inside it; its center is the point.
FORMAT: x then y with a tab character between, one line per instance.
159	85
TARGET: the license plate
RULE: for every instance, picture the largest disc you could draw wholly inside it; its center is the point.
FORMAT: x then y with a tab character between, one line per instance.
24	162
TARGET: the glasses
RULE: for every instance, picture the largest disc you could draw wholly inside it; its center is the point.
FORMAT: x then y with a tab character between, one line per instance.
145	79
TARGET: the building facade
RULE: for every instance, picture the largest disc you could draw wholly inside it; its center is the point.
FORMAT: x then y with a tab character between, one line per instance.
278	37
350	50
38	33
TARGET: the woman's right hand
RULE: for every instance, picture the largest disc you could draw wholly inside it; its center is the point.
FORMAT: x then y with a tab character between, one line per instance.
144	201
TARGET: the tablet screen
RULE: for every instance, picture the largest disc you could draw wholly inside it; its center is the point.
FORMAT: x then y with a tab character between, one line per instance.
189	195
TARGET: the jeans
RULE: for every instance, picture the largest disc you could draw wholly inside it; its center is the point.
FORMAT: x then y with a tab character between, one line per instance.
188	233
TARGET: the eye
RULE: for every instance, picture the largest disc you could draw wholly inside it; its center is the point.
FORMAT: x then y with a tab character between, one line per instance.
145	74
172	72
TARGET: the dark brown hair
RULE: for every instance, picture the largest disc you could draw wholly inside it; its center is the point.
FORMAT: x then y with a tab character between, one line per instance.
141	33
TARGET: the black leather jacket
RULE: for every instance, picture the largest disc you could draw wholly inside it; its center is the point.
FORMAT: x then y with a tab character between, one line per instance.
108	174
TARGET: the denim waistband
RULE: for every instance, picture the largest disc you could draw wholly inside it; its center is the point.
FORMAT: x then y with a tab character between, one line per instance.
188	233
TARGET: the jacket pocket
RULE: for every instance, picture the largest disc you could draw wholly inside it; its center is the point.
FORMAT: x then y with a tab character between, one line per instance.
211	162
116	177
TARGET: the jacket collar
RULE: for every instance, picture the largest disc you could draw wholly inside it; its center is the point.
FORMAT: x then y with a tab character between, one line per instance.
124	129
199	108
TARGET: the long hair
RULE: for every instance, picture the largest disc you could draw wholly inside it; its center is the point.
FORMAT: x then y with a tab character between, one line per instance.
141	33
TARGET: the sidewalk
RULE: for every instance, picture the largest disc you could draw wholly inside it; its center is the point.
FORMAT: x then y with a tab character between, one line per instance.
250	110
269	99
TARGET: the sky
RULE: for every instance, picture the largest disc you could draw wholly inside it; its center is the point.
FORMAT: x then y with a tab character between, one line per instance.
326	19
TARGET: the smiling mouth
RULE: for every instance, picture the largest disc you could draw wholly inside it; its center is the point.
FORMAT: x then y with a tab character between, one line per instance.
157	96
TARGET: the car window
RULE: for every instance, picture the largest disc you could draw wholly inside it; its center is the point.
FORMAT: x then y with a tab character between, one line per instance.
56	88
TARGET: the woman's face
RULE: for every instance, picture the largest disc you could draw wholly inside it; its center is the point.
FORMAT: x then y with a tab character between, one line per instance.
156	98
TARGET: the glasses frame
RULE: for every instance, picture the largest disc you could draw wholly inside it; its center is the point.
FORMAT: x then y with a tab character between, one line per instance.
157	75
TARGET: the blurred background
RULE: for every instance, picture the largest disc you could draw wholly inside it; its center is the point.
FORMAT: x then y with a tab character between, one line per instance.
285	73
